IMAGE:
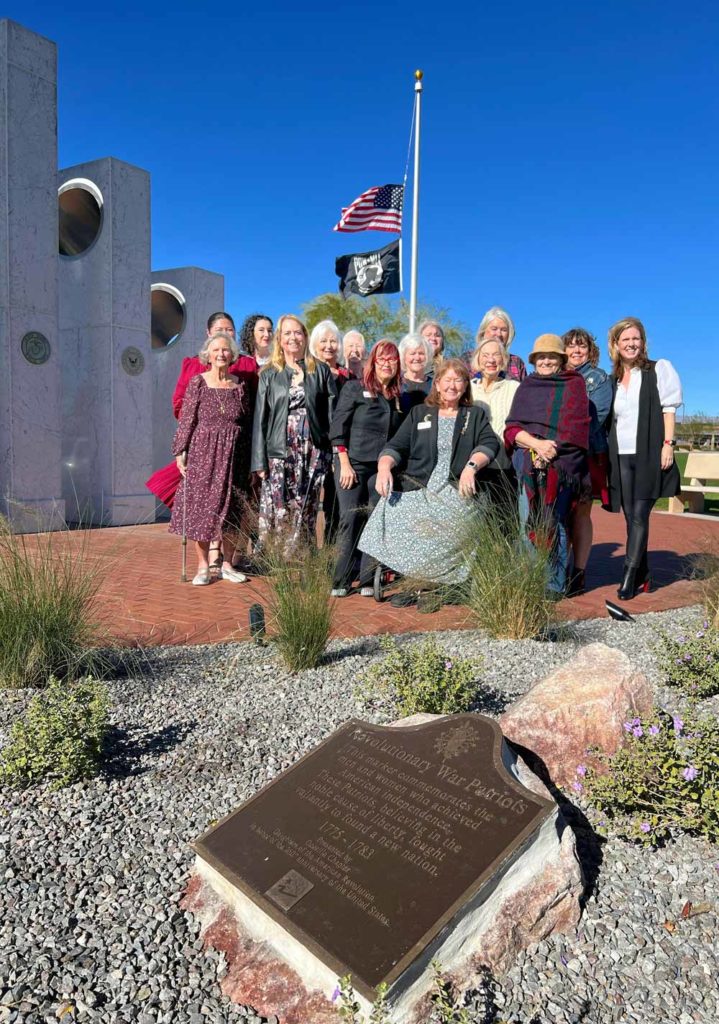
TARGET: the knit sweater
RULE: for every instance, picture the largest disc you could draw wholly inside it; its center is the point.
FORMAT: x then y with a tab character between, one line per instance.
496	402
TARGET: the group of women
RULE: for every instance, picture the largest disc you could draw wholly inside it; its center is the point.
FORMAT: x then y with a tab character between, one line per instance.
400	445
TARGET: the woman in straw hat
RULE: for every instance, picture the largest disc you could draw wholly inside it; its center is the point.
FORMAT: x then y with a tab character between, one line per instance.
548	428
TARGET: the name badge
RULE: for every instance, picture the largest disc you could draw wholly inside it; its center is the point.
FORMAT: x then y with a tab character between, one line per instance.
367	394
423	426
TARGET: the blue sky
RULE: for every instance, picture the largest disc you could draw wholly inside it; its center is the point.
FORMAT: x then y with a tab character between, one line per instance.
569	159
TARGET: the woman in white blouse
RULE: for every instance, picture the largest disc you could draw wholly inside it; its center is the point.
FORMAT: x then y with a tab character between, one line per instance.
641	443
493	391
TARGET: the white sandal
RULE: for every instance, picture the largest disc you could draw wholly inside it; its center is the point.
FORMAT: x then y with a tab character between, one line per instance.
226	573
202	578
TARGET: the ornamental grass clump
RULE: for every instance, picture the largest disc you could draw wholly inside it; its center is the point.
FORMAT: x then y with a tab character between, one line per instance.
507	576
690	660
300	605
665	780
421	678
60	738
48	612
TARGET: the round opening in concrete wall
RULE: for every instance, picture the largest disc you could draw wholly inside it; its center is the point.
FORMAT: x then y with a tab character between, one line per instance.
167	315
80	216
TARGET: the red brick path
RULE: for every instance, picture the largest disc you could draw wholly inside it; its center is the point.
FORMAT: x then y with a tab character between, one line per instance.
142	599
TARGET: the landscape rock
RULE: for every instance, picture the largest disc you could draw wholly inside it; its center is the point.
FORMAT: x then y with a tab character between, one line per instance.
582	704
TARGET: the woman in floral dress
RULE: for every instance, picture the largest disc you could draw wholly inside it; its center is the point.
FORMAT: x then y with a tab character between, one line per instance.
211	448
290	446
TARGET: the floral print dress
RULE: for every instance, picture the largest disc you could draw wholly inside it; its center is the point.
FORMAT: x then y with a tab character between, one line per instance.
289	498
215	430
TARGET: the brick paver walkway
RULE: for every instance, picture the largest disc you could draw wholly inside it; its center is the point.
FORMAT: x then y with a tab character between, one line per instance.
142	600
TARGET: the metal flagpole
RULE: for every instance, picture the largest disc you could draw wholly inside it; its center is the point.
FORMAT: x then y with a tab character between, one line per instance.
415	206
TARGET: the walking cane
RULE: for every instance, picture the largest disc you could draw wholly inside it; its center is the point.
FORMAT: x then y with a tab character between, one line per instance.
183	575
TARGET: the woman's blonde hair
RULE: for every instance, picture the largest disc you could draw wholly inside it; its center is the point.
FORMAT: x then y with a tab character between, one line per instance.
203	354
614	331
480	345
277	356
442	369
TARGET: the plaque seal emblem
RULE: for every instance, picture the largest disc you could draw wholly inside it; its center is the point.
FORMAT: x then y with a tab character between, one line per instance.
133	361
36	348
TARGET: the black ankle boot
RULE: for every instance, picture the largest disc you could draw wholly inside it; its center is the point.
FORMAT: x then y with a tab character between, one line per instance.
627	589
576	584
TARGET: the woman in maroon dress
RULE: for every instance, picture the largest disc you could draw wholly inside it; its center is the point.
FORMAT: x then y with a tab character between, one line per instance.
211	448
164	482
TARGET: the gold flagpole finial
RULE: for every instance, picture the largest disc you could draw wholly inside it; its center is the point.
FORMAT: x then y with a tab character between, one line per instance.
419	75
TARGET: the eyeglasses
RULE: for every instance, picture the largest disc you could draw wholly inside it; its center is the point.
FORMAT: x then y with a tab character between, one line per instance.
387	360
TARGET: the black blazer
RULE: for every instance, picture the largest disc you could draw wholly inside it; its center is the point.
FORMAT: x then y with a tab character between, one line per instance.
363	423
414	448
269	431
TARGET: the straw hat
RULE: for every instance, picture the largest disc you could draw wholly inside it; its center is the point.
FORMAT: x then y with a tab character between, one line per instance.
547	344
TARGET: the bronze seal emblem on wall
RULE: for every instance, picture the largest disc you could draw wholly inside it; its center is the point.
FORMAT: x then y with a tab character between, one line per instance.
36	348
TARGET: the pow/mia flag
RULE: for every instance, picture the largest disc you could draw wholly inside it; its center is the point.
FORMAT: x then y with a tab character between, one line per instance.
371	273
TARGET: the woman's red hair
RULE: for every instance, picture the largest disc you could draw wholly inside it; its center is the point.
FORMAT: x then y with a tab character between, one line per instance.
369	378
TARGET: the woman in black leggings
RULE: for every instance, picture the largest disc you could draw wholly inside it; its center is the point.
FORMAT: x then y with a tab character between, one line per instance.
641	443
367	414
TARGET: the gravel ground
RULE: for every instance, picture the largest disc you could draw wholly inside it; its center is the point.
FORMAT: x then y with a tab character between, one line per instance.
93	874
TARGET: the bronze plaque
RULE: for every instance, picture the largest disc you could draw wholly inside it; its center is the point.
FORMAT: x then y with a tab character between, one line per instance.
133	361
368	846
35	347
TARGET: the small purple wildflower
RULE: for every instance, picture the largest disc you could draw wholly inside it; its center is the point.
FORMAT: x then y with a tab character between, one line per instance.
678	724
581	770
687	657
628	726
653	730
577	787
645	826
690	773
564	959
336	994
681	639
699	635
448	664
637	731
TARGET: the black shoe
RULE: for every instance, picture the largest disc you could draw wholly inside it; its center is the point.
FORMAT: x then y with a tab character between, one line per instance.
576	584
627	590
405	599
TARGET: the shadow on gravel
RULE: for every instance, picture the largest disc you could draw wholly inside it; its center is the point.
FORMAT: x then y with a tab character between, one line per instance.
589	842
489	701
124	752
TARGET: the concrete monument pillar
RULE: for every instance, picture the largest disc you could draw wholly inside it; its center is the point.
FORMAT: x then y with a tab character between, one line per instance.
30	364
104	321
181	301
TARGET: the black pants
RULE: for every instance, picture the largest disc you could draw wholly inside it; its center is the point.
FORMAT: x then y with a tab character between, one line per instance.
330	507
636	513
354	506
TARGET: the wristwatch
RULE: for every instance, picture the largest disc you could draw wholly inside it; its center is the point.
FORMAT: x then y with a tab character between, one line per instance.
474	466
671	442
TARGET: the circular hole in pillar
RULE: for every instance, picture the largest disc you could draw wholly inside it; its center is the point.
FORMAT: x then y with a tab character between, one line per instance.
80	216
167	315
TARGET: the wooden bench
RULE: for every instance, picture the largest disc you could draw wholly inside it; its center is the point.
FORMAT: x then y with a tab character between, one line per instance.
701	467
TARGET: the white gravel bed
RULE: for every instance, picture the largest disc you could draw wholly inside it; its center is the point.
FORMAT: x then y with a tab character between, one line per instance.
91	876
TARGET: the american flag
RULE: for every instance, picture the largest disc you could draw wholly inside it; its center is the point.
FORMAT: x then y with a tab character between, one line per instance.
377	209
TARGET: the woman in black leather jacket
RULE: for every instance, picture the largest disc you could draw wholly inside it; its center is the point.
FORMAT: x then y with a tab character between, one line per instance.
290	445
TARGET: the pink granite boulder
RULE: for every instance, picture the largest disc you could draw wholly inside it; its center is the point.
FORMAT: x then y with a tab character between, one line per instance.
582	704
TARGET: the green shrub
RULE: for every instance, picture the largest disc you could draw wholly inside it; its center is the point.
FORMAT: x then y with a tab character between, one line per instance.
506	584
421	678
665	780
60	737
349	1008
690	660
300	605
47	608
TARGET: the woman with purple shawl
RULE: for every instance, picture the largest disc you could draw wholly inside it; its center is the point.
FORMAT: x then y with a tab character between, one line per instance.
548	430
